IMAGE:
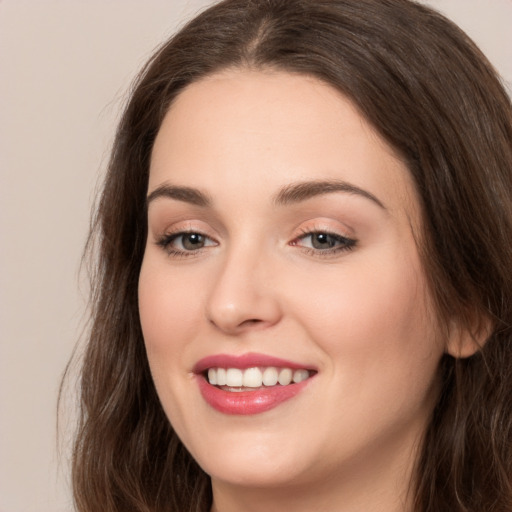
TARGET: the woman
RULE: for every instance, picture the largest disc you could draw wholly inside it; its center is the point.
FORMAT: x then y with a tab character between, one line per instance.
304	289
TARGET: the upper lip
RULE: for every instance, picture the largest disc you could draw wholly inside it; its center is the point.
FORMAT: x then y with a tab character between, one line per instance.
249	360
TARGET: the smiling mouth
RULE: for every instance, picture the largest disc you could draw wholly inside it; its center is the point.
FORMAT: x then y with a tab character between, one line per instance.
252	379
250	383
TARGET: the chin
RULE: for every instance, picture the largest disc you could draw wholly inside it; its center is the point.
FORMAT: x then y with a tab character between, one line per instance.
253	460
254	472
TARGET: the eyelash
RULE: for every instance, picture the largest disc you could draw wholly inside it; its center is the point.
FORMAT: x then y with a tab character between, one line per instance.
165	242
345	243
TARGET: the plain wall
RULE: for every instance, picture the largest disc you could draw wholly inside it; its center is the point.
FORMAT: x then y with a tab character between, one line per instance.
65	66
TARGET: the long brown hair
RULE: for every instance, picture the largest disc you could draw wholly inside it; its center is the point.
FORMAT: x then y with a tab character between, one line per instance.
435	98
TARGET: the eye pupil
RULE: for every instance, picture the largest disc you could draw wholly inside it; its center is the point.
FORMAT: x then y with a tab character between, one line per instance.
323	241
193	241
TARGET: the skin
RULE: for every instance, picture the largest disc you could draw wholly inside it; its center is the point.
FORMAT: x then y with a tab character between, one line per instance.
361	316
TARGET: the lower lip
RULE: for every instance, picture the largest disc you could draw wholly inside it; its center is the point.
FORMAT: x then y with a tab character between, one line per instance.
248	402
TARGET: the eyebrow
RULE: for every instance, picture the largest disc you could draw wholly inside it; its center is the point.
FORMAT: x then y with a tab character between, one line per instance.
297	192
290	194
186	194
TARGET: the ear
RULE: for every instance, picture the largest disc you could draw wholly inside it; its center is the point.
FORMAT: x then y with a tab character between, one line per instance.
466	338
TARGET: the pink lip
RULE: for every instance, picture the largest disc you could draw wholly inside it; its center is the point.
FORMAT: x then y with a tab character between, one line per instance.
249	360
246	402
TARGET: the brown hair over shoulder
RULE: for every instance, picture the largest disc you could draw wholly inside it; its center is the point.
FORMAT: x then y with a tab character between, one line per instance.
435	98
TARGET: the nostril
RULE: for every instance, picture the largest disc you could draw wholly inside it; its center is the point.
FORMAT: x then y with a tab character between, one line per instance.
251	321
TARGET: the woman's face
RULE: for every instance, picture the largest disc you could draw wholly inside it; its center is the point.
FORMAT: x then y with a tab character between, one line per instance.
281	247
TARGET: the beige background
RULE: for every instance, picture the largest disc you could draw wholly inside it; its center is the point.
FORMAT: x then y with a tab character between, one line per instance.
64	68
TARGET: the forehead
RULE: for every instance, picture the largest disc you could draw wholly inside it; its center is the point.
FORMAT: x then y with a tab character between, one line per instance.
242	129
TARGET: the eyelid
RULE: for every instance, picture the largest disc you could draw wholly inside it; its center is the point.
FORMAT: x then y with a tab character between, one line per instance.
172	226
324	225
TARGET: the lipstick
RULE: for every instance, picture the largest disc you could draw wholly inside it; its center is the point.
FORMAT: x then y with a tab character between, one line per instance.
247	401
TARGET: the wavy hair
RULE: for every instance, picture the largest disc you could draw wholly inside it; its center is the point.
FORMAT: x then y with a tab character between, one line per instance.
433	96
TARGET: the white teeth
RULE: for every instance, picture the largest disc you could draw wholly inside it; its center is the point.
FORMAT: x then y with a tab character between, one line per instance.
255	377
212	376
221	377
234	377
270	376
300	375
285	376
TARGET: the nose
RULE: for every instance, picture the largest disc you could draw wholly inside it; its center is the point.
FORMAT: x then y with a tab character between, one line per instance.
243	295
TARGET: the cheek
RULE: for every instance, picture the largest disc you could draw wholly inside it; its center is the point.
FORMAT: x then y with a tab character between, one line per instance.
374	326
374	319
168	308
168	311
